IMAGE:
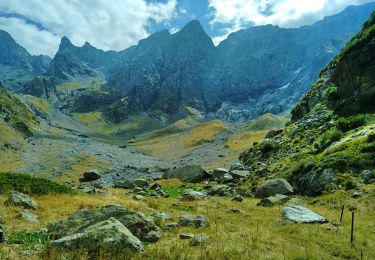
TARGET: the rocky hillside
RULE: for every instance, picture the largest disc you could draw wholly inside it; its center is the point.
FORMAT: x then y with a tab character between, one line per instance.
17	66
330	140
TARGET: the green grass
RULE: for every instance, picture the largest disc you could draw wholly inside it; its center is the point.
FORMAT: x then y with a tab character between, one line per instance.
174	191
30	185
25	238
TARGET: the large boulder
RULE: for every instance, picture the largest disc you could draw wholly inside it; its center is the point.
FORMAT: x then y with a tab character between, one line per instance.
237	174
219	173
110	232
192	173
91	175
124	184
19	199
300	214
273	187
137	223
221	190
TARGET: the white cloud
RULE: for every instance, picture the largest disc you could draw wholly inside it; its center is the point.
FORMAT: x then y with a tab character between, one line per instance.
173	30
115	24
238	14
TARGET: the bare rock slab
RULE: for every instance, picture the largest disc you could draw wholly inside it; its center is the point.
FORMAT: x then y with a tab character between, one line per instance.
300	214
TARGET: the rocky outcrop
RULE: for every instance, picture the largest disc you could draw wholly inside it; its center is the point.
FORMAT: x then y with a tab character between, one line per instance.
300	214
137	223
108	232
19	199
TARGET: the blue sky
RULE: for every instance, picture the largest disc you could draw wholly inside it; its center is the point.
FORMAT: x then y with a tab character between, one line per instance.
117	24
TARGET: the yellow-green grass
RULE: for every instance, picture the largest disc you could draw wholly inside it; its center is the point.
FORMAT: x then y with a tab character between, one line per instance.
204	132
95	122
252	234
39	104
268	122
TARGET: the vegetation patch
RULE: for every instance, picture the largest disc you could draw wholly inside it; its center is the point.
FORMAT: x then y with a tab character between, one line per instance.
25	238
346	124
30	185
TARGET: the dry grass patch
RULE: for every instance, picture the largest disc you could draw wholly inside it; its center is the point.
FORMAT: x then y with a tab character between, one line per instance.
204	132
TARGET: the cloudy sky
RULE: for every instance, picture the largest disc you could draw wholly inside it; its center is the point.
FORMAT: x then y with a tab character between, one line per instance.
117	24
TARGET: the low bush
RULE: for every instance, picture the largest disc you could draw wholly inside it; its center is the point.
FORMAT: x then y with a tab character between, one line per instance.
327	138
346	124
30	185
26	238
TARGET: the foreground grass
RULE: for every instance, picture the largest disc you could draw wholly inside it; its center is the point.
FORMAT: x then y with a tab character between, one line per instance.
252	234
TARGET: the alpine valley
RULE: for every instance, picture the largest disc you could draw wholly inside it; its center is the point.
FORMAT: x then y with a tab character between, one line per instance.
262	147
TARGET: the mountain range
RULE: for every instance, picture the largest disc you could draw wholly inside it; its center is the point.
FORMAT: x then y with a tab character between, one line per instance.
254	71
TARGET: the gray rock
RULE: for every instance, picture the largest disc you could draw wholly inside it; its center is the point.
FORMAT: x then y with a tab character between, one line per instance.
294	202
357	194
221	190
238	198
26	252
170	226
156	186
141	183
152	236
300	214
91	175
138	197
28	216
237	166
110	231
124	184
19	199
367	177
196	220
219	173
137	223
2	235
190	195
161	216
186	235
226	178
273	200
273	187
239	173
191	173
235	210
199	239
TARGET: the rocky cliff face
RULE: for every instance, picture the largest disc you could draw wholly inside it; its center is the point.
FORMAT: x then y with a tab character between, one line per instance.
333	126
17	66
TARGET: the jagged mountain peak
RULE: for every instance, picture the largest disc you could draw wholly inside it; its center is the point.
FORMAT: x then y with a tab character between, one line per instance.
65	43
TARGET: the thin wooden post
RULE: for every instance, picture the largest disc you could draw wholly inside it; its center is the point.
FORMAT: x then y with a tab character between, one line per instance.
342	213
352	231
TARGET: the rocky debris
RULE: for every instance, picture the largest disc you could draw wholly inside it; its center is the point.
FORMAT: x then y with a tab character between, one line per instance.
110	231
170	226
137	223
91	175
273	200
226	178
237	174
124	184
141	183
367	177
19	199
237	167
2	235
273	187
192	173
220	190
219	173
196	220
28	216
199	239
300	214
138	197
357	194
160	216
186	235
156	186
190	195
237	198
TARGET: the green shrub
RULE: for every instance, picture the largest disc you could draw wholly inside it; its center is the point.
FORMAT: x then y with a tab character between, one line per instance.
368	148
25	238
371	138
30	185
268	147
327	138
352	122
331	94
349	185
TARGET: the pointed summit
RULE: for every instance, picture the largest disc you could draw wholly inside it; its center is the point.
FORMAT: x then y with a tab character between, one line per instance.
194	26
65	43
